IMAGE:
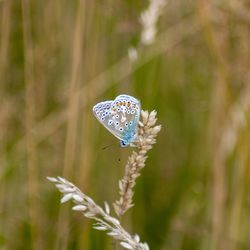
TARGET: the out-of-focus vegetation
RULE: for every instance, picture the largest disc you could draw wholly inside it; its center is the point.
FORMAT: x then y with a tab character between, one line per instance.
58	58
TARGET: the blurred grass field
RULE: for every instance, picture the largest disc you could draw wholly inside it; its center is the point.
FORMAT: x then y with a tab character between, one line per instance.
58	58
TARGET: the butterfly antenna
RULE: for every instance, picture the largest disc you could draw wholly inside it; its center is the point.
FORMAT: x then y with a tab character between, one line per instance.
108	146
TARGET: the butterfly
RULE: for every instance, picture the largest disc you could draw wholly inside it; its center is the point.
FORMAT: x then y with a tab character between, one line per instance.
120	117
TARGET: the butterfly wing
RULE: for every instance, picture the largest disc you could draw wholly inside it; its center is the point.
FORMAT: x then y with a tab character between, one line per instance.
106	117
127	110
120	116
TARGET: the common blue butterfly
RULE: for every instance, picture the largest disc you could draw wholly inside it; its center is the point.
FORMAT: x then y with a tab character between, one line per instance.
120	117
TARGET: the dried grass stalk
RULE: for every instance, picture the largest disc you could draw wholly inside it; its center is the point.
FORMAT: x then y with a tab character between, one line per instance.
149	18
147	133
104	221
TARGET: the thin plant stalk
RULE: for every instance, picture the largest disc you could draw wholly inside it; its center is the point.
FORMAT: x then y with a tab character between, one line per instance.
72	119
30	121
147	133
102	218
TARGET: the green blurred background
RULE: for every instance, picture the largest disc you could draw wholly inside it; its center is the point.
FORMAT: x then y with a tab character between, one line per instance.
58	58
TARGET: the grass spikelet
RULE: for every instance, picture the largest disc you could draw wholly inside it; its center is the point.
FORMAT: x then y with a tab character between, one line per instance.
147	133
103	221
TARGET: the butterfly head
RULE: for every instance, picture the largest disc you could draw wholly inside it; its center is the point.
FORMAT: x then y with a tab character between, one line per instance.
124	144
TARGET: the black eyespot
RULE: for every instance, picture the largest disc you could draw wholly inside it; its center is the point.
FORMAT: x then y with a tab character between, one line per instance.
117	123
121	129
